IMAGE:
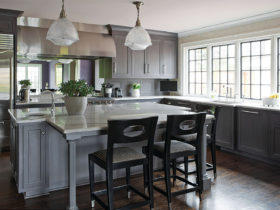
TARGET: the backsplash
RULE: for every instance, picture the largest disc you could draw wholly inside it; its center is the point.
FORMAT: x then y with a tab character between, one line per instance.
149	87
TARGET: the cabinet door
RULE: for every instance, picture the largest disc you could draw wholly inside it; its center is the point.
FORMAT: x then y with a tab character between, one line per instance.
274	133
120	63
6	24
251	132
152	60
225	128
34	159
138	63
168	59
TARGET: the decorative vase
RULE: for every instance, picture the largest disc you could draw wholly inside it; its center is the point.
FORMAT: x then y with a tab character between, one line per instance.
26	93
135	93
75	105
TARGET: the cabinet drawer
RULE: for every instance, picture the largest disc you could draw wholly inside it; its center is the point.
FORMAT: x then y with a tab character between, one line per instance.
252	131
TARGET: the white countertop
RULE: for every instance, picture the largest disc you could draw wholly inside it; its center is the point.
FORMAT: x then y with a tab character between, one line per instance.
96	116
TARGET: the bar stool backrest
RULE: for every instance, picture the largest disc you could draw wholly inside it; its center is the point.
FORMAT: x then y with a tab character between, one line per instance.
129	131
185	125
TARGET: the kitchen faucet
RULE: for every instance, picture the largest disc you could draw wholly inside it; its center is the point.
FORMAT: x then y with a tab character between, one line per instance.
228	88
53	104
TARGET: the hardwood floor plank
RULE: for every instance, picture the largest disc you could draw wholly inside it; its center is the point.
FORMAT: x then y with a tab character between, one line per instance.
241	184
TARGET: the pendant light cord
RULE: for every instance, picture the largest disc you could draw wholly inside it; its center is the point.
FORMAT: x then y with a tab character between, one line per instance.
62	13
138	4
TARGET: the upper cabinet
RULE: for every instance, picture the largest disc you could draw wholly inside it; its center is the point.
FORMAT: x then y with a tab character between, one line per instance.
8	21
120	62
158	61
168	58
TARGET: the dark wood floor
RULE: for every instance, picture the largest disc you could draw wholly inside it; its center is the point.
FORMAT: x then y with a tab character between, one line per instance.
241	184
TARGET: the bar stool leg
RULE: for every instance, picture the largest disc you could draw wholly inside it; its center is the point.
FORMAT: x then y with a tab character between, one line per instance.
128	181
167	181
213	154
150	183
174	165
91	181
186	166
109	183
199	174
146	184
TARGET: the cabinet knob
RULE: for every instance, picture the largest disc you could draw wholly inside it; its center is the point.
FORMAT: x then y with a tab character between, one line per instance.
43	132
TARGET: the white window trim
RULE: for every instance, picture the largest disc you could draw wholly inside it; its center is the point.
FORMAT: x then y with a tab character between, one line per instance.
25	65
183	70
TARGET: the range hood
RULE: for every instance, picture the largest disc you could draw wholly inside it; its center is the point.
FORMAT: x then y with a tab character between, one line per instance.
95	41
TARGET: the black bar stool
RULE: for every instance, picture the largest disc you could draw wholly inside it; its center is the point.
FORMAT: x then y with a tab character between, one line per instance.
119	132
211	141
169	150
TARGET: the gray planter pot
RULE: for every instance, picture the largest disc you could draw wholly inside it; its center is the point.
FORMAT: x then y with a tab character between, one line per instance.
75	105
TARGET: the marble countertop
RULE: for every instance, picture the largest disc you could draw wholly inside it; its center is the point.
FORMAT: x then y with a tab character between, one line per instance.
96	116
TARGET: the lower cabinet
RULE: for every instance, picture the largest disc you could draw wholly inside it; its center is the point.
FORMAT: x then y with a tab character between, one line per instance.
251	131
29	158
274	136
225	128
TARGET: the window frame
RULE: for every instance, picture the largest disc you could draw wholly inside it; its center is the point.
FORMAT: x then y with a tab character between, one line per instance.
25	65
260	70
56	75
227	71
188	61
234	39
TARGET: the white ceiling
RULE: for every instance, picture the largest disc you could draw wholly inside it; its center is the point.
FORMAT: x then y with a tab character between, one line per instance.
167	15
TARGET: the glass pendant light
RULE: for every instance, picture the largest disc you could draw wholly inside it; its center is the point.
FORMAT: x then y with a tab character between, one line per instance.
138	38
62	32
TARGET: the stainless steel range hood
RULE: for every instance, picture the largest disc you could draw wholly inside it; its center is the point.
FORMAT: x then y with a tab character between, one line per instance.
95	41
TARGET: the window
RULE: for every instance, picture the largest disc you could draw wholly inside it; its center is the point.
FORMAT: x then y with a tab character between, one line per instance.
33	72
58	74
255	69
223	70
198	71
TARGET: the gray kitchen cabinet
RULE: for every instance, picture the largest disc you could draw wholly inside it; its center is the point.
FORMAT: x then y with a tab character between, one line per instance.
226	128
145	63
274	136
168	58
29	158
158	61
152	60
138	63
251	132
120	68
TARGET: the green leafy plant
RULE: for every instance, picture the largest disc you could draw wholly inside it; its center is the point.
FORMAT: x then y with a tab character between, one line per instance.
25	82
75	88
136	86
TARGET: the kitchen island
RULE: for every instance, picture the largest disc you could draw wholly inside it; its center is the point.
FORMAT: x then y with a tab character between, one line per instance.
48	153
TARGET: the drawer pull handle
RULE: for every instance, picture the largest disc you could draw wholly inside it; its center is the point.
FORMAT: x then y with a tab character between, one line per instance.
249	112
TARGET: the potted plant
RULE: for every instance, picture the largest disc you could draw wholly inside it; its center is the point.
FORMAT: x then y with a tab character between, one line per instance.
135	90
75	92
25	88
25	83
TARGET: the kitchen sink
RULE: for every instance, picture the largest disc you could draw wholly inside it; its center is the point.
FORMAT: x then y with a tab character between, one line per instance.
35	114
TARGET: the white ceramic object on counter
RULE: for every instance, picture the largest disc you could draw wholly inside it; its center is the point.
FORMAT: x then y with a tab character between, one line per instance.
270	101
135	93
75	105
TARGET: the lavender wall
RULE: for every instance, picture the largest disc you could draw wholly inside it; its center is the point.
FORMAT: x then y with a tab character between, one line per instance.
86	71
